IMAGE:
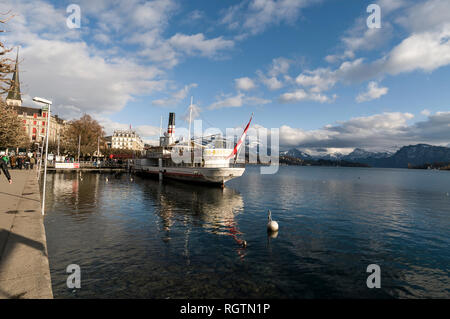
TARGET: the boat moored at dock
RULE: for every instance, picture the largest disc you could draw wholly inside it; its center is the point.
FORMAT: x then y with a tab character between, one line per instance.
202	159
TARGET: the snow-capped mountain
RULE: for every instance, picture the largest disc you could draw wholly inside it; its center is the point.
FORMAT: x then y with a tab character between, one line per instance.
360	153
407	155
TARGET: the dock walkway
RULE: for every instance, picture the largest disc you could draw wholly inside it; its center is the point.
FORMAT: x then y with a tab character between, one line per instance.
24	266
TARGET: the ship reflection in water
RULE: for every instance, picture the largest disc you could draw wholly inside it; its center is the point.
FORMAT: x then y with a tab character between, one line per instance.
214	209
146	238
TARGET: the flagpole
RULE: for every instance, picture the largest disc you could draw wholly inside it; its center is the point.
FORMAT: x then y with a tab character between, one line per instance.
238	145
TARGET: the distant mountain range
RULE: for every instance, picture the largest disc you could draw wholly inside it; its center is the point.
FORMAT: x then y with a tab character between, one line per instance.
407	156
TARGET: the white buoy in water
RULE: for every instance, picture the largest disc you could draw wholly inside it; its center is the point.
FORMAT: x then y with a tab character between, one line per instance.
272	225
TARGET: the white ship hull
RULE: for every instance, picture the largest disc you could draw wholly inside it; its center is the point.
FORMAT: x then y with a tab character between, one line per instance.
211	175
205	159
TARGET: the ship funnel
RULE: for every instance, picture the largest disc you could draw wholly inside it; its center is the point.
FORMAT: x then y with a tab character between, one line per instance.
171	127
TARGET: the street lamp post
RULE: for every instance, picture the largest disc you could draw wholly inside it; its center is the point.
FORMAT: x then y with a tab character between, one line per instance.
79	143
48	105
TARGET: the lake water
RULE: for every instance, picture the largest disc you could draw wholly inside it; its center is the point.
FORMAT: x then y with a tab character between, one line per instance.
143	239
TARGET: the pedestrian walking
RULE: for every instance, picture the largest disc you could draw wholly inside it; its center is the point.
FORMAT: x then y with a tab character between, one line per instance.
26	162
3	164
32	162
13	162
19	162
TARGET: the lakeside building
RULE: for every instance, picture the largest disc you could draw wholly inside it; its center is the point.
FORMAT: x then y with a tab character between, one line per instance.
127	140
34	119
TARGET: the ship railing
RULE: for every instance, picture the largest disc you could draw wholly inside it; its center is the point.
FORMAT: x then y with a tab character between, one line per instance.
237	165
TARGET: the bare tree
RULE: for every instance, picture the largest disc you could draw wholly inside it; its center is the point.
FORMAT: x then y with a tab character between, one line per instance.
6	64
12	131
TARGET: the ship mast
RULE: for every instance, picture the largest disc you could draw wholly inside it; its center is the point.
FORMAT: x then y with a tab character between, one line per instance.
189	133
190	118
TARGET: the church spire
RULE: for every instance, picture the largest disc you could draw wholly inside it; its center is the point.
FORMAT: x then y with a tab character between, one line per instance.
14	97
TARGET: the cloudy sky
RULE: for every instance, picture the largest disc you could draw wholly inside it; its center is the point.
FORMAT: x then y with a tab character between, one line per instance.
312	68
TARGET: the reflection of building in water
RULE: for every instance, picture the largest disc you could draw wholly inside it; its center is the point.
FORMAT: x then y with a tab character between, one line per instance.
215	209
67	186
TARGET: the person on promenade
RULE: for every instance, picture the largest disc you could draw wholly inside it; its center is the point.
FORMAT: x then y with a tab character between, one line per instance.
13	162
32	162
3	164
19	162
26	162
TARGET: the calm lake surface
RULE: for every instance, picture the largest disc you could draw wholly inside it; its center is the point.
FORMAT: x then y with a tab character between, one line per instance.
142	239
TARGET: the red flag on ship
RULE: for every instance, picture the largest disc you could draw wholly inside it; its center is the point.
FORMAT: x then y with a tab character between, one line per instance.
241	140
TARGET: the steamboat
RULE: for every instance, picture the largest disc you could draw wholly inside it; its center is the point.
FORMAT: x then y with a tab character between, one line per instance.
205	159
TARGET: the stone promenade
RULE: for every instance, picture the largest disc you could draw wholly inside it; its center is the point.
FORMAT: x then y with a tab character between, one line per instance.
24	267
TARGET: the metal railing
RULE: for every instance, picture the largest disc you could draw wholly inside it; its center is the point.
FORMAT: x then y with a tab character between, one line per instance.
89	164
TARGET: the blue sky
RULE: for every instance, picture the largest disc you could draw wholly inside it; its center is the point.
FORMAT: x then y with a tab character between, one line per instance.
312	68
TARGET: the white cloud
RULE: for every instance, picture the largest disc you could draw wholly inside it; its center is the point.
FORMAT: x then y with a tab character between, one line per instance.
80	77
255	16
80	80
144	131
194	110
348	54
379	130
423	16
388	6
279	66
230	101
425	112
271	83
197	44
254	100
176	97
301	95
427	48
58	64
424	51
373	92
385	131
319	80
238	100
244	84
363	38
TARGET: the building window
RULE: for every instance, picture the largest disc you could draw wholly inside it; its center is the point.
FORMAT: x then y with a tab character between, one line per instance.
34	131
35	115
34	122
